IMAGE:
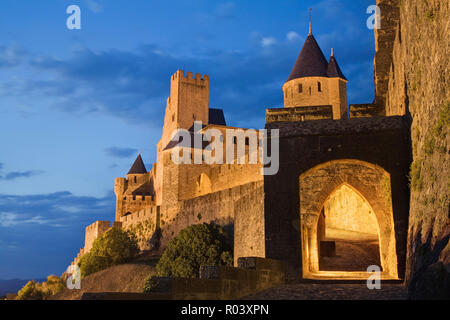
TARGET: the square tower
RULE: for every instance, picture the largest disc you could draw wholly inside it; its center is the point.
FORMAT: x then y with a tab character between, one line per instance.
188	102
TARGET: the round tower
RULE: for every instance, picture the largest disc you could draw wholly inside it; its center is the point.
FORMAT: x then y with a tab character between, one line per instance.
137	173
315	82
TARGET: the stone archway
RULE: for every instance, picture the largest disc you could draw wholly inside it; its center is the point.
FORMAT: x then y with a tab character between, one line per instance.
369	181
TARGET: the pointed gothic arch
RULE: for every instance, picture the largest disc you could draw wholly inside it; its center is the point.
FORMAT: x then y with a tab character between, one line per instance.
369	181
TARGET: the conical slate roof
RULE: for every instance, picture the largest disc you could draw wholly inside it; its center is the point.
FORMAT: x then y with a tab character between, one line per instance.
310	62
334	70
138	166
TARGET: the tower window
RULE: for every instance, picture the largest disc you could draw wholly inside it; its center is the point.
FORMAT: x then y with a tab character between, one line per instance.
309	90
319	86
135	179
300	88
285	94
173	117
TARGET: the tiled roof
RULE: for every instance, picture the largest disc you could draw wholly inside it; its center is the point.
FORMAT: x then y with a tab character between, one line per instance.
334	70
138	166
310	62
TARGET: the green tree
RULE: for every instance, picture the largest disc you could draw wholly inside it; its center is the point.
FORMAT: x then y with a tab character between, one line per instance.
53	285
30	291
40	291
113	247
196	245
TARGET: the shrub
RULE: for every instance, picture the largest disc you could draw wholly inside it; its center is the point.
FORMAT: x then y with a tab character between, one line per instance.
30	291
196	245
53	285
151	284
114	247
41	291
415	176
91	263
443	122
429	145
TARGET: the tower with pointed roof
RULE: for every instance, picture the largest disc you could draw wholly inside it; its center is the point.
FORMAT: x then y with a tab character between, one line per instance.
314	81
136	191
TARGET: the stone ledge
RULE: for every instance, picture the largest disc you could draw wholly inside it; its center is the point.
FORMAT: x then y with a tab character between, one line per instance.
343	126
221	282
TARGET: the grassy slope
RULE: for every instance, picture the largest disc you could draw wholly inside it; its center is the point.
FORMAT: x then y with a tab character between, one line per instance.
129	277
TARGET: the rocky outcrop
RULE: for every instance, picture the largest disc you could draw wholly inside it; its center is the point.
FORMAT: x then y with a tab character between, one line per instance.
415	81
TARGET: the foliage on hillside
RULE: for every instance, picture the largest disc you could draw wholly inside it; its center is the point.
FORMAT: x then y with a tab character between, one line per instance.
40	291
196	245
114	247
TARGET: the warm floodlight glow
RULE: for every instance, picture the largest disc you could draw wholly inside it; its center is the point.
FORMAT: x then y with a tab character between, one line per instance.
346	221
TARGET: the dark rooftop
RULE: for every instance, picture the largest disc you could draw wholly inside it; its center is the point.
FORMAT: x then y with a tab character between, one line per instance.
138	166
187	144
334	70
310	62
216	116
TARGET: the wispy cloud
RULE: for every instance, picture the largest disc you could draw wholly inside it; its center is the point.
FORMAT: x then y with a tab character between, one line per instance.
8	219
119	152
136	88
268	41
293	36
20	174
94	6
11	56
40	234
55	209
226	10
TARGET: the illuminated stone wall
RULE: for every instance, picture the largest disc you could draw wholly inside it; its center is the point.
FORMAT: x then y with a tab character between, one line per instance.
347	210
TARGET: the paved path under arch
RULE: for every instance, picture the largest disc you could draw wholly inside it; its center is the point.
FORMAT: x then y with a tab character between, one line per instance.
328	291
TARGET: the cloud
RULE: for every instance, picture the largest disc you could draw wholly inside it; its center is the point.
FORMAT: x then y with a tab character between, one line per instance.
11	56
20	174
94	6
226	10
293	36
41	234
54	209
119	152
134	85
268	41
8	219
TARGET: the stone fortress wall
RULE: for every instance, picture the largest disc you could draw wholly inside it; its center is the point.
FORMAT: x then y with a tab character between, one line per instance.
170	197
407	116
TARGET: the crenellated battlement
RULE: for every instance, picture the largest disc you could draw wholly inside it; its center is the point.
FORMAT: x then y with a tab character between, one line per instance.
190	78
98	225
147	199
95	230
141	215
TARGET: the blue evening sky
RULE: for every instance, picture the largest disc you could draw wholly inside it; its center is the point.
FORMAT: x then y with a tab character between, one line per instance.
77	105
